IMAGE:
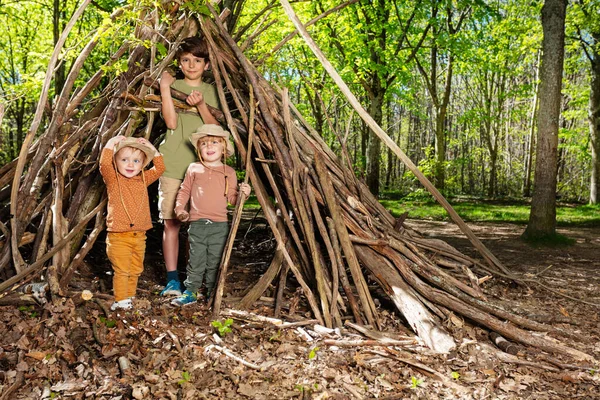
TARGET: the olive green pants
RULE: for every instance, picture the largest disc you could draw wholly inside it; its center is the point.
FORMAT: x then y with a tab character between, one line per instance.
207	240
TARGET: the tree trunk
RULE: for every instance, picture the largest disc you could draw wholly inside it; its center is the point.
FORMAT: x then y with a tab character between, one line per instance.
373	165
531	137
542	219
594	120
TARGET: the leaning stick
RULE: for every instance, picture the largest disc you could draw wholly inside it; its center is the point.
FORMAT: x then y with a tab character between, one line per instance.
237	216
490	258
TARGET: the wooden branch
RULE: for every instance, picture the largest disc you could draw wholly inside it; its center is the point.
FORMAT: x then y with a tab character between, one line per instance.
237	216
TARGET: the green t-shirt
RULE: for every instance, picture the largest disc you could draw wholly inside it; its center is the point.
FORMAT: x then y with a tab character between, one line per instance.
176	148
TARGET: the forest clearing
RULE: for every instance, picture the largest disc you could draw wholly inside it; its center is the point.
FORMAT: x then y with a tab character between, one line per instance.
324	292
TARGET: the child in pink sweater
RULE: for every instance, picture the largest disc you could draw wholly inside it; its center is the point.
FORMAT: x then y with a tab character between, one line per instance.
208	186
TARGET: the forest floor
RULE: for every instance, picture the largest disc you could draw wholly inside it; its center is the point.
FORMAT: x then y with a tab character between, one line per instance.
76	349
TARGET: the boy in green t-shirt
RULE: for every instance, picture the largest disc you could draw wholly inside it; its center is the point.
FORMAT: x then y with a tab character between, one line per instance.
178	153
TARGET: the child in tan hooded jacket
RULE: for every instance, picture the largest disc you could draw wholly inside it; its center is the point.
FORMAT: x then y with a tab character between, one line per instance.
122	164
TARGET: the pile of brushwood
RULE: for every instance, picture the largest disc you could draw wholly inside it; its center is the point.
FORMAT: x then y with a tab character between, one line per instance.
331	233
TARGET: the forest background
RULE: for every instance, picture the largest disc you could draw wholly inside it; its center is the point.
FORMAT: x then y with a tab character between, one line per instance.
454	83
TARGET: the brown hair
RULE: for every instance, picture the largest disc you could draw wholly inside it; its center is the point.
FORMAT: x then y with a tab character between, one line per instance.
193	45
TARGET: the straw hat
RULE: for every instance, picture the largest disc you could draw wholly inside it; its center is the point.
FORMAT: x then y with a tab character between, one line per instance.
212	130
133	142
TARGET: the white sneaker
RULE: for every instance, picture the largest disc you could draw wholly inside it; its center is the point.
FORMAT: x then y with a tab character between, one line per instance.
122	305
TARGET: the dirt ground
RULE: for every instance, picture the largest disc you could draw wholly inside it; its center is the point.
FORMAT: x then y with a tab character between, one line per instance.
76	349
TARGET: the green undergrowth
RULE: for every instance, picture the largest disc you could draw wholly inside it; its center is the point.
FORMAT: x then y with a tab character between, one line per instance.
498	211
477	210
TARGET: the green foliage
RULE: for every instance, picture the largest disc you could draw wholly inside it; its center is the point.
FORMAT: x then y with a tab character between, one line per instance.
185	378
415	382
455	375
29	311
275	337
110	323
197	6
479	210
313	352
223	328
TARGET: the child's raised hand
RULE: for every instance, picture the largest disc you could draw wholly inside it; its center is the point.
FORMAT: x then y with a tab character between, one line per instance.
146	142
245	188
183	216
112	142
195	98
166	79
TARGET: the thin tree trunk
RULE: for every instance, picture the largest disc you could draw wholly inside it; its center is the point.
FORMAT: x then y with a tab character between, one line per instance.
531	137
594	121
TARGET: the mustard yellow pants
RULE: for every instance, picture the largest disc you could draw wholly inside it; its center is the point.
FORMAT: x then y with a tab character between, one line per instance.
125	250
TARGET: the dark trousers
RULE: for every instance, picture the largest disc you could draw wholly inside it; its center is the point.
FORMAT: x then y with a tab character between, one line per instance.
207	240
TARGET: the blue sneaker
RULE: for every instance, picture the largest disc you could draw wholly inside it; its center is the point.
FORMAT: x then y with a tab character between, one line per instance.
186	298
173	288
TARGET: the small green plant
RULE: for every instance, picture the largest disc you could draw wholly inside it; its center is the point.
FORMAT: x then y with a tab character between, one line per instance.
415	382
29	310
185	378
455	375
53	395
275	337
110	323
313	352
223	328
299	388
593	371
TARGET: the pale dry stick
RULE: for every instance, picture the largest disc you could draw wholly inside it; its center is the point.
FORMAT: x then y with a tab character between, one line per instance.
367	343
237	216
175	340
378	336
491	259
37	119
233	356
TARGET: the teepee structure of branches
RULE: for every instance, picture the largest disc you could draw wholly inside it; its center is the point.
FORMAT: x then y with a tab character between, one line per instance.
332	234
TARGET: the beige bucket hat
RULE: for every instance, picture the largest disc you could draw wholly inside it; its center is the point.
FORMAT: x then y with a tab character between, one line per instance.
212	130
133	142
